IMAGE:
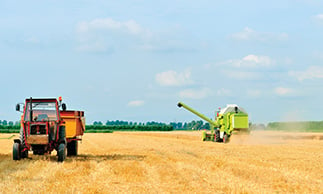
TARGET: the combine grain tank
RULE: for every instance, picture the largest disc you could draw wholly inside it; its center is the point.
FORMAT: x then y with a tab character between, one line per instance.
229	119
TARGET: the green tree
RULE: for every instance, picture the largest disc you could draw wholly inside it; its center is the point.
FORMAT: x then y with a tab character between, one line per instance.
4	122
10	123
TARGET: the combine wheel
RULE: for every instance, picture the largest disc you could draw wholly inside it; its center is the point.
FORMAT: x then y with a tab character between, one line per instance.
61	152
225	138
72	148
217	136
203	136
16	151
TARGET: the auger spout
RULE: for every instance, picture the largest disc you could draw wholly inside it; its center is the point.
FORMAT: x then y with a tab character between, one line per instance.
213	123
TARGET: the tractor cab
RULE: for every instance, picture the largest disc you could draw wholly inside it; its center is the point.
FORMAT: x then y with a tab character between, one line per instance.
40	117
40	110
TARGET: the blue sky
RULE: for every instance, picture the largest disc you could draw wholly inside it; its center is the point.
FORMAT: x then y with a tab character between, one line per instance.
134	60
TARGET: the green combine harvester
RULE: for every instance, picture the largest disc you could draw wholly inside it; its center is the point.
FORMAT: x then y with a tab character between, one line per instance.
228	120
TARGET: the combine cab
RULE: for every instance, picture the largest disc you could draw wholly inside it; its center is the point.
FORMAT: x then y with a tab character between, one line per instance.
46	125
228	120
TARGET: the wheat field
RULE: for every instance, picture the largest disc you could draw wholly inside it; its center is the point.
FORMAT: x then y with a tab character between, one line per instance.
172	162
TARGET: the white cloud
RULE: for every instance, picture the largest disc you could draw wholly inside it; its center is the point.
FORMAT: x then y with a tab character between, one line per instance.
129	26
249	61
246	34
254	59
249	67
195	93
106	34
32	40
136	103
281	91
249	34
242	75
173	78
319	17
93	47
223	92
318	54
254	93
313	72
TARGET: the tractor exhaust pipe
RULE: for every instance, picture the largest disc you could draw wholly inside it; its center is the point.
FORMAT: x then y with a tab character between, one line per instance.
31	109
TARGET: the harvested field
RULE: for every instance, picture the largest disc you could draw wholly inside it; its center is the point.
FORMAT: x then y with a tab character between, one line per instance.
172	162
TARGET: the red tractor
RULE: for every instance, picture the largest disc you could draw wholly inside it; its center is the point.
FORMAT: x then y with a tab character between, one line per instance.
46	125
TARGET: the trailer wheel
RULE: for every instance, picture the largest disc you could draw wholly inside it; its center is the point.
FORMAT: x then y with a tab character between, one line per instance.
16	151
61	152
72	148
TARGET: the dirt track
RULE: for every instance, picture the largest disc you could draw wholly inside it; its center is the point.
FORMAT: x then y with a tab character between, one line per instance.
172	162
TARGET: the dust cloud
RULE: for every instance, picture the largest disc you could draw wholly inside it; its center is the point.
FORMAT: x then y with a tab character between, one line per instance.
272	137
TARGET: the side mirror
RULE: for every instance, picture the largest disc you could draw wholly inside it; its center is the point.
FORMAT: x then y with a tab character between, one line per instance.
18	107
64	107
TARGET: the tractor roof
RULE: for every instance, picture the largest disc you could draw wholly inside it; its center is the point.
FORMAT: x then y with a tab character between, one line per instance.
42	100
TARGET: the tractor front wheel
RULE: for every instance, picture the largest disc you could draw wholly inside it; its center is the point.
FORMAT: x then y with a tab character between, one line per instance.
61	152
16	151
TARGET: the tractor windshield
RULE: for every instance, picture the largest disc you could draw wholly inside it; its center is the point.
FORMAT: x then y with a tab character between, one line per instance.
42	111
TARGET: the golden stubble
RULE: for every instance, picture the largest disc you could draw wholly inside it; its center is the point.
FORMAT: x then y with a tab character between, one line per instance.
171	162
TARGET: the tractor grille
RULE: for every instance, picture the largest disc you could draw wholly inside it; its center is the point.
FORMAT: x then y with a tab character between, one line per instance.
38	129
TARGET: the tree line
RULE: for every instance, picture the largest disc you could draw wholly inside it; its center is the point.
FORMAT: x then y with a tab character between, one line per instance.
193	125
119	125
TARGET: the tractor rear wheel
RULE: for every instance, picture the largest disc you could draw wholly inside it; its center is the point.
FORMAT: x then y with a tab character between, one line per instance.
61	152
24	154
72	148
22	136
16	151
